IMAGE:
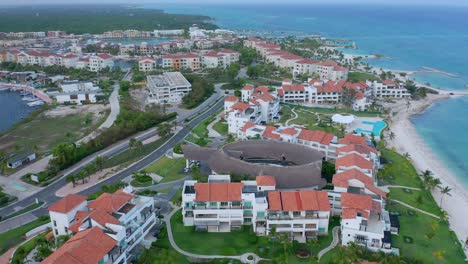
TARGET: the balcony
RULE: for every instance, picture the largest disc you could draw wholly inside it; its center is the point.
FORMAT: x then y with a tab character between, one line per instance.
206	216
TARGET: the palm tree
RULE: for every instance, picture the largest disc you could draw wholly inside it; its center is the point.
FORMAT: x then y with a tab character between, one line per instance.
407	156
426	173
99	162
392	135
444	191
444	216
71	178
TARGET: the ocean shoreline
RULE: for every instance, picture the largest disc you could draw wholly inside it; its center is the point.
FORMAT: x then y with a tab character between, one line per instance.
423	157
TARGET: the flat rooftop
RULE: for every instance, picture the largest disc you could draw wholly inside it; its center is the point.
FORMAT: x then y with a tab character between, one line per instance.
168	79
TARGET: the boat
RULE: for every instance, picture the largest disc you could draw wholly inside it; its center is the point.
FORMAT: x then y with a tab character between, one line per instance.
35	103
29	99
4	89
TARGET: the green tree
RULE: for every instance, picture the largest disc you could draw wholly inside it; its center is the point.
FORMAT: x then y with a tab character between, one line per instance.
444	191
71	178
164	129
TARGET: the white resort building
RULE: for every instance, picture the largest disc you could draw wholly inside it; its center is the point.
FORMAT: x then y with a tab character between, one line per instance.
105	230
388	89
225	206
168	87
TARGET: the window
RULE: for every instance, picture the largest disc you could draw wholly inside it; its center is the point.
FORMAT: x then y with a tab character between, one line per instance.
188	204
66	229
248	220
224	204
55	223
260	214
56	232
248	204
296	214
213	204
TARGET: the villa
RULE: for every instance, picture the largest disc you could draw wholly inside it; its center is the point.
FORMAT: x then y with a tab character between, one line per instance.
222	58
105	230
147	64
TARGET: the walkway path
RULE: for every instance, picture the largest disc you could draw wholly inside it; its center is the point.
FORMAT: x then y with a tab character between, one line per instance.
414	208
211	131
244	258
334	243
386	188
291	119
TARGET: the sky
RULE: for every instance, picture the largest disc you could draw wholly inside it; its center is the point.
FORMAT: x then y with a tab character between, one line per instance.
389	2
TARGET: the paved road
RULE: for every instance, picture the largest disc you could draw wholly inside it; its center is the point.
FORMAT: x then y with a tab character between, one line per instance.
48	193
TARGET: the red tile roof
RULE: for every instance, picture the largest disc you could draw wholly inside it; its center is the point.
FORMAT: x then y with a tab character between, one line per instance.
110	202
248	87
390	82
293	87
104	56
321	137
67	203
328	63
228	51
181	56
247	126
354	160
305	200
268	133
352	139
280	92
218	192
240	106
351	213
262	89
342	179
86	247
265	180
231	98
359	148
356	201
289	131
307	61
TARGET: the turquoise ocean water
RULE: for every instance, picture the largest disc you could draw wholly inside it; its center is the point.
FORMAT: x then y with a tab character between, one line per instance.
414	36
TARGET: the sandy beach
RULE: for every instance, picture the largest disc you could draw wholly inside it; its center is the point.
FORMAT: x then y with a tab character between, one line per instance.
408	140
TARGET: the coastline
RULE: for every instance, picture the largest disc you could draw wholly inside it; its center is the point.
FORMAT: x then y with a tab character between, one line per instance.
423	158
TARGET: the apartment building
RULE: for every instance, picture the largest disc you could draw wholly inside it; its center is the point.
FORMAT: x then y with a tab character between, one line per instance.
365	222
388	89
181	61
99	62
300	214
75	92
147	64
257	105
220	206
168	87
317	91
226	206
330	70
105	230
222	58
272	53
324	142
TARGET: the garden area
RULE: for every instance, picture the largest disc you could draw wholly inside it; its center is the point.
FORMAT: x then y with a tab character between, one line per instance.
169	169
245	241
221	127
15	236
141	179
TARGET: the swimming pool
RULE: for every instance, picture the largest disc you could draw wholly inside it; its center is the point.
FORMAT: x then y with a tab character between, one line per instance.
377	128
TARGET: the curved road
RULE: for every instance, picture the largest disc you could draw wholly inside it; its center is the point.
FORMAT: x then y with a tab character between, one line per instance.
48	194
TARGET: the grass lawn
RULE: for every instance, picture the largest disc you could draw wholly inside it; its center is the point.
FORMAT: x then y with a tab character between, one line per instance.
411	196
362	77
167	168
202	142
232	243
422	248
398	171
238	242
286	113
14	237
131	155
24	210
324	110
27	247
201	131
136	183
221	127
46	132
